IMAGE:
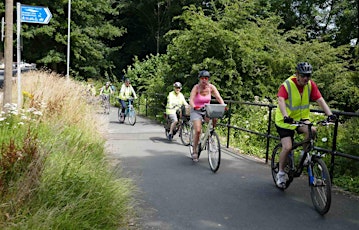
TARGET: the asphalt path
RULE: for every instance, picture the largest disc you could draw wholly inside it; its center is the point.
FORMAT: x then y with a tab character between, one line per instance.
175	193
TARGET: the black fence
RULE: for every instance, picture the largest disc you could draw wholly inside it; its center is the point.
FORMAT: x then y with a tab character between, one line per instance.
153	105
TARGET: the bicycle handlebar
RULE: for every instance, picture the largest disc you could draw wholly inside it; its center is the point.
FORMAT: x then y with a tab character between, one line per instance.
301	123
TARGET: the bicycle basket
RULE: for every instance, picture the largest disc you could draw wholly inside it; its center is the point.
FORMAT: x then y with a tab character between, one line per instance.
215	110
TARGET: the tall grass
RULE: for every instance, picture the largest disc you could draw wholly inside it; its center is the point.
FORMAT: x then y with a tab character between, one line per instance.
53	170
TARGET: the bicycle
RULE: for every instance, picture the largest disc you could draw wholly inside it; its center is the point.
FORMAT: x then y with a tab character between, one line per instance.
318	174
209	139
130	112
183	125
106	103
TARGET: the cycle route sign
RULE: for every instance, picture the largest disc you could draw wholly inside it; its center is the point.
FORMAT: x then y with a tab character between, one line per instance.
35	14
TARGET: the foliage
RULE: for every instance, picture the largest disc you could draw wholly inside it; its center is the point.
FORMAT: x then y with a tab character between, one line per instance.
331	21
65	181
246	51
91	33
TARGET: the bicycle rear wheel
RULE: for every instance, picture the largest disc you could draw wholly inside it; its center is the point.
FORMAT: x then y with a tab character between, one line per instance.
275	167
320	186
214	152
185	133
132	116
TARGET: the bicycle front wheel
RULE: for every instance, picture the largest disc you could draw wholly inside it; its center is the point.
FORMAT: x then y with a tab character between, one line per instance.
132	117
320	185
185	133
214	151
107	106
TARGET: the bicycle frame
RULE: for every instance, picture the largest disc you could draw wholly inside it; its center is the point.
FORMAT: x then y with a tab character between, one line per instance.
129	107
205	135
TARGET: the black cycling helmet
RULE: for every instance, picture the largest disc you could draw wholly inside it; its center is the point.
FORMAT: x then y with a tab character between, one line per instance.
204	73
304	68
177	85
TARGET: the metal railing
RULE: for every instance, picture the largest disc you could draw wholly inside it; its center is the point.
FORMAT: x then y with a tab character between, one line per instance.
154	101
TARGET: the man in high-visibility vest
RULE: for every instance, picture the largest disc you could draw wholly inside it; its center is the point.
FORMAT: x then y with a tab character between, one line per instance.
294	96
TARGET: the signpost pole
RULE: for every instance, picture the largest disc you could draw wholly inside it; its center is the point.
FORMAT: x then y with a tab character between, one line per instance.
68	41
18	54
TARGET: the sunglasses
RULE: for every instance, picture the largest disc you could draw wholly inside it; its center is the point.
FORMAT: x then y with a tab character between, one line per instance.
178	88
204	78
308	75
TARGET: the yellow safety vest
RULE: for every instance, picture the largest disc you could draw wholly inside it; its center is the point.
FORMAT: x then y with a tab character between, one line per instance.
297	105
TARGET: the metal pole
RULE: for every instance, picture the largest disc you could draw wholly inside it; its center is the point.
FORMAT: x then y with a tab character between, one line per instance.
8	51
68	40
18	53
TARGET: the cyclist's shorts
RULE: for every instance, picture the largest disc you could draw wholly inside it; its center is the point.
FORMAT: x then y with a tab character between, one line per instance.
196	114
172	117
286	132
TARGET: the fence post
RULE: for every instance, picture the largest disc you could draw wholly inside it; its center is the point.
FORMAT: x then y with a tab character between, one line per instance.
334	148
229	122
268	131
146	105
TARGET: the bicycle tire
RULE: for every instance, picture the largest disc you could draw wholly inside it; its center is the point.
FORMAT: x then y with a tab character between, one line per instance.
185	133
191	142
320	186
132	117
214	151
275	167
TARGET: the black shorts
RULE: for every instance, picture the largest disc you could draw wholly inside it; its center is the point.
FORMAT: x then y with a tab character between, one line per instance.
285	132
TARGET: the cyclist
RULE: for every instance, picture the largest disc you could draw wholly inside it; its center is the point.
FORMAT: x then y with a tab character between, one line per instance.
126	92
175	100
200	95
294	96
106	91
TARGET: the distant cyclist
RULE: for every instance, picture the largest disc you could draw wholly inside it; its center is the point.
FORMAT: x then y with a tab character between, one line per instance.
293	104
175	100
200	95
106	89
126	92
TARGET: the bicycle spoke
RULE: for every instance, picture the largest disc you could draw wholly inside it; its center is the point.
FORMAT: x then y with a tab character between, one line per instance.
185	133
321	187
214	152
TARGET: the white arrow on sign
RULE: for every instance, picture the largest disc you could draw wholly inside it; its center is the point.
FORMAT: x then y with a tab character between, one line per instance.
35	14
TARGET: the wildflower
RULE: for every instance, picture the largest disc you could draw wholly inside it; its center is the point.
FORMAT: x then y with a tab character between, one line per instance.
2	118
39	113
23	117
20	123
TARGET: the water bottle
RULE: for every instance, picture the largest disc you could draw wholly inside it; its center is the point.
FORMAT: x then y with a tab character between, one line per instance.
311	177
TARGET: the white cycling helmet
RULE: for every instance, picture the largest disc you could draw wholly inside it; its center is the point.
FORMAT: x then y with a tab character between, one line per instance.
177	85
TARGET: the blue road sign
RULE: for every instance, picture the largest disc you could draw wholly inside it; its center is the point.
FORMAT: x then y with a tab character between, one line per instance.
35	14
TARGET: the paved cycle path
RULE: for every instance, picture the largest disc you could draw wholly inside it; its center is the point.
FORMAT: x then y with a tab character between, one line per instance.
175	193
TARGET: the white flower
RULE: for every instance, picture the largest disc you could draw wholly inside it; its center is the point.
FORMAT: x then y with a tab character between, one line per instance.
2	118
20	123
38	113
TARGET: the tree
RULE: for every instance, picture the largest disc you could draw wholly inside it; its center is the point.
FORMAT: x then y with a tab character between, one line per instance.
91	31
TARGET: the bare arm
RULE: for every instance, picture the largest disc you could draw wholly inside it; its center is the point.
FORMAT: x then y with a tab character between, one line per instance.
324	106
216	94
193	94
282	106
